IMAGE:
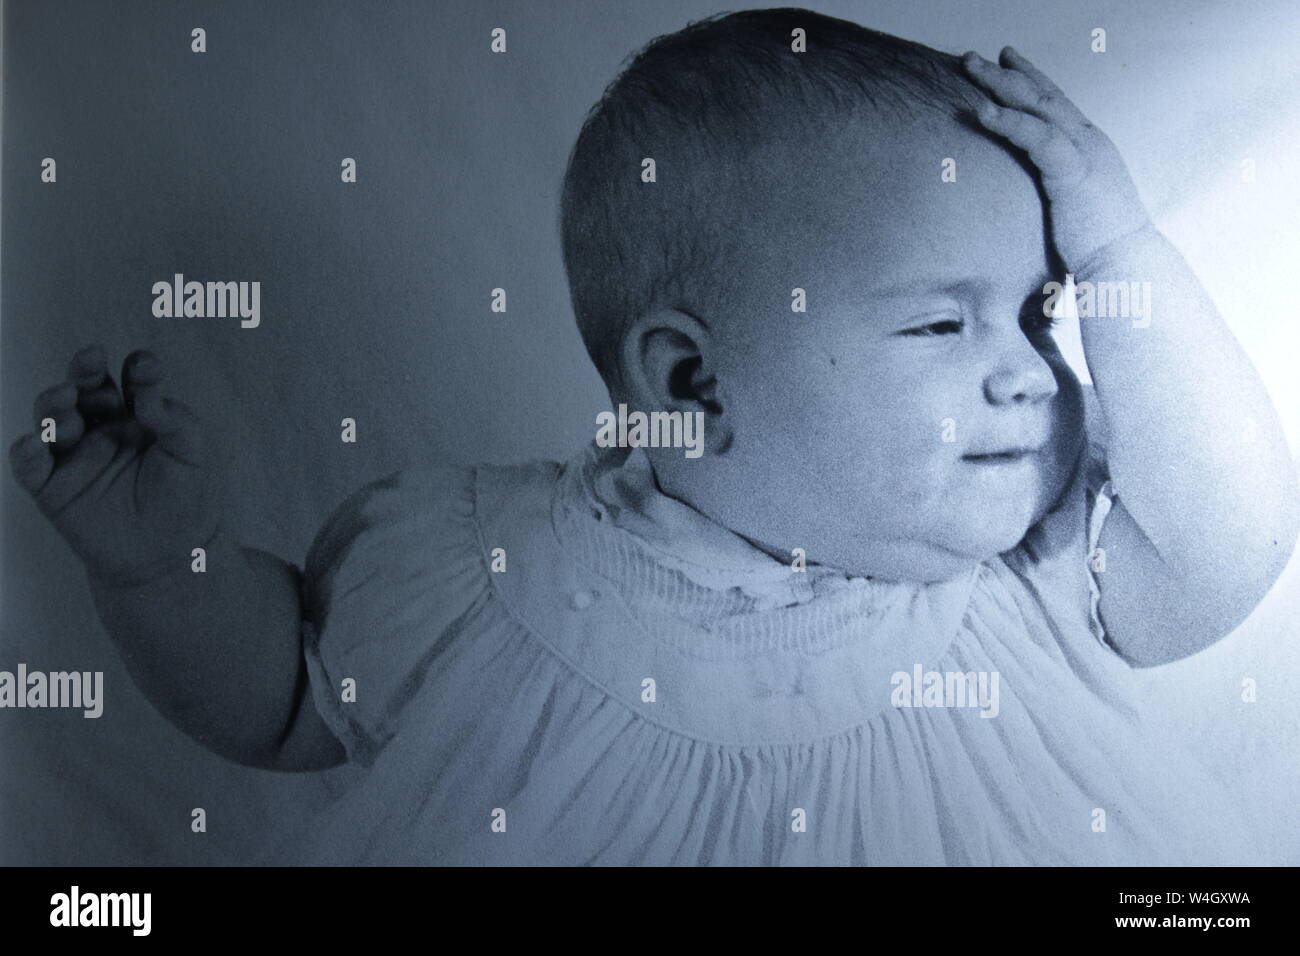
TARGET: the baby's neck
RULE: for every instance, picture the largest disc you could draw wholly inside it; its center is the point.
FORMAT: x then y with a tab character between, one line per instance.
903	561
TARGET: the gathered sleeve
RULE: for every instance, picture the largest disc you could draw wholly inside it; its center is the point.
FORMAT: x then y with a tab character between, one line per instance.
387	579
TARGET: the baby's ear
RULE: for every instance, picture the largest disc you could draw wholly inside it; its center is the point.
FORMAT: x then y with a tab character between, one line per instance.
662	357
691	383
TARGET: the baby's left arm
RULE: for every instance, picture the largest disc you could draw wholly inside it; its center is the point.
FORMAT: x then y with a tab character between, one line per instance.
1206	510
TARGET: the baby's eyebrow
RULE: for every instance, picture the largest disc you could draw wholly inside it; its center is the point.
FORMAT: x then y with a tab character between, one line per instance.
969	287
919	286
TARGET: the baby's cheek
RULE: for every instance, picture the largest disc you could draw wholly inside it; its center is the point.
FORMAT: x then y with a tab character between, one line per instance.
1068	433
911	457
879	430
938	429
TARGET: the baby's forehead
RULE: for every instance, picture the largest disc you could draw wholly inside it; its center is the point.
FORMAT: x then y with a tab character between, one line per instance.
926	200
894	152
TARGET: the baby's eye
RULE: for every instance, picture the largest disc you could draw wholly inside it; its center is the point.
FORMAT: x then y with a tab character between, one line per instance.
946	327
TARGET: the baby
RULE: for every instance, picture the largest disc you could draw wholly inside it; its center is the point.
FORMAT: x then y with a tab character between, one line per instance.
890	614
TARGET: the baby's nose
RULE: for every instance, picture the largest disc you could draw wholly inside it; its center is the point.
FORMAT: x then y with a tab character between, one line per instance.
1022	376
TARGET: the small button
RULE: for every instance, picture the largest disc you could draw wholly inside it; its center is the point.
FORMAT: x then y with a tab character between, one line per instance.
582	600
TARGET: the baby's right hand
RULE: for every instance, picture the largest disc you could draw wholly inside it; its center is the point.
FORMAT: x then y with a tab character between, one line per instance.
127	480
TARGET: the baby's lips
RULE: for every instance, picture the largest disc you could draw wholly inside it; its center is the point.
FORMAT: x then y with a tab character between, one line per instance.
1028	439
1009	449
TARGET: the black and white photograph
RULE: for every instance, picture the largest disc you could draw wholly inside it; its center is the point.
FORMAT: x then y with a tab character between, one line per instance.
560	433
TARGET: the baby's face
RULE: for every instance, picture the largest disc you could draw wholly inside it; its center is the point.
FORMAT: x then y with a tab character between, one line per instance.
918	417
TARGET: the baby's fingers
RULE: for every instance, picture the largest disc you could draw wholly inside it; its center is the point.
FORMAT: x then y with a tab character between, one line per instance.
94	456
1012	59
140	371
31	462
1021	85
1055	155
58	404
149	398
98	398
178	429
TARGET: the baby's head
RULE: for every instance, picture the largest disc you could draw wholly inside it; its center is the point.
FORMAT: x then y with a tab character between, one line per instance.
854	429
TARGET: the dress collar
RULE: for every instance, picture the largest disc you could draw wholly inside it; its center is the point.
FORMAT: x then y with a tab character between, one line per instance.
620	486
633	583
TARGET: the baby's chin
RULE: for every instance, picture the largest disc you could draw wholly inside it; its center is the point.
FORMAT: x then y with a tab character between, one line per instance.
982	541
986	525
1054	482
969	534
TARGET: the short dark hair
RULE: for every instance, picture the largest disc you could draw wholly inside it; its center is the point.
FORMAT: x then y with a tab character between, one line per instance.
698	101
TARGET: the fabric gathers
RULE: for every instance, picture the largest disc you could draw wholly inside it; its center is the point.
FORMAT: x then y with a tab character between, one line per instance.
640	685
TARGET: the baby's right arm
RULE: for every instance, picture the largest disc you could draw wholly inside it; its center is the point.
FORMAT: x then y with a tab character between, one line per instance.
127	483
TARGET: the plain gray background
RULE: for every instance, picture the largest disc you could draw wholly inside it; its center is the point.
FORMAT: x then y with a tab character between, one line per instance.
375	303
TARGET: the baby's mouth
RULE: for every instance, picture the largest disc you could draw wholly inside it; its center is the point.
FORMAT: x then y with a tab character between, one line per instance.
1008	456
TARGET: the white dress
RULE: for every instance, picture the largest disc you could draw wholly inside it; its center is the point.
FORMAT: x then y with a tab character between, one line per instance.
641	686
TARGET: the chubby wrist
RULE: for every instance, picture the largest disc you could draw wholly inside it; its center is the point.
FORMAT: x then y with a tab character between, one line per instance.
166	569
1132	247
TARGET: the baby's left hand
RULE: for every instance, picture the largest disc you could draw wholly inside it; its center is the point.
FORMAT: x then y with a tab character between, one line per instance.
1092	199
